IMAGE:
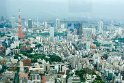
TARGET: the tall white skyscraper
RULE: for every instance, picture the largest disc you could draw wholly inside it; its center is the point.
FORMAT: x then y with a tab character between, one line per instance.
52	33
101	25
58	24
45	25
38	23
13	21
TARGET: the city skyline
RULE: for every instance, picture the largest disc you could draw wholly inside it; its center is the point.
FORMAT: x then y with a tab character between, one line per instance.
61	41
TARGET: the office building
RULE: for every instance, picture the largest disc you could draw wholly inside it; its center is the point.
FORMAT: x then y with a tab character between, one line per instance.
51	33
13	21
79	29
29	23
100	26
58	24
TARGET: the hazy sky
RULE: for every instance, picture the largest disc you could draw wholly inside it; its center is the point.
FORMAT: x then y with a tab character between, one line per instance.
63	8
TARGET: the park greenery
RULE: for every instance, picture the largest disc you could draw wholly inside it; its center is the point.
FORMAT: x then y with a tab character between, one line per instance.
82	74
34	57
98	80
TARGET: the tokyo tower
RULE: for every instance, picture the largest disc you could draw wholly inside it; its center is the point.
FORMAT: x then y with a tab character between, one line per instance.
19	31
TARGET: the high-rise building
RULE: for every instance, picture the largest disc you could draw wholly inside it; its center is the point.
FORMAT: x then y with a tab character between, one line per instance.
100	26
29	23
79	29
38	23
19	31
13	21
45	25
51	33
58	24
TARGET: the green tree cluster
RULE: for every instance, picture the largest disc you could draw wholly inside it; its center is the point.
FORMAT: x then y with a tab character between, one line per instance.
81	73
98	80
34	57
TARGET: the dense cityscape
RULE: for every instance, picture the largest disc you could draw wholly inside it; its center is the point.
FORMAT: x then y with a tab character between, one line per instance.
61	50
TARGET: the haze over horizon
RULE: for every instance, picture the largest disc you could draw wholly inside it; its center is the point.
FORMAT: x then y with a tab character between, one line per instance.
111	9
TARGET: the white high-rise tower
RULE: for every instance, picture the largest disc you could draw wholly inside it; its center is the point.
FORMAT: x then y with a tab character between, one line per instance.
51	33
100	26
58	24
